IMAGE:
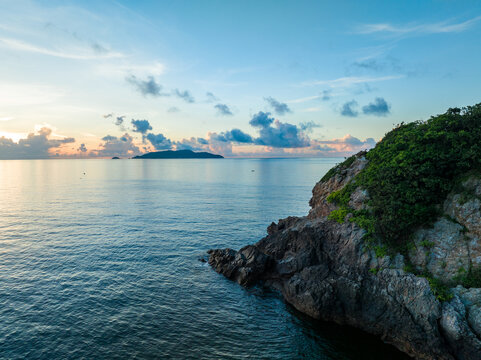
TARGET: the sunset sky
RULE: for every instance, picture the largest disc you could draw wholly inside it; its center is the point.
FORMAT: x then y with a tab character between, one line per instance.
239	78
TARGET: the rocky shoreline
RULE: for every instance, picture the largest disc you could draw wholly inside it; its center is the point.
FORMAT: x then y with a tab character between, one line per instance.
326	270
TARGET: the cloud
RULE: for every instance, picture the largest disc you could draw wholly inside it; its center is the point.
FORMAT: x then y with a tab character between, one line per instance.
194	144
282	135
433	28
141	126
279	108
309	126
35	146
159	141
82	54
349	81
119	121
304	99
369	64
99	49
234	135
379	108
106	116
146	87
173	109
279	135
326	95
82	148
261	119
211	97
348	109
109	138
223	109
184	95
388	64
113	146
347	144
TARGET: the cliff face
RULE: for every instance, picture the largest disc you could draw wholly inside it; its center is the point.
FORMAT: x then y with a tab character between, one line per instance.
326	270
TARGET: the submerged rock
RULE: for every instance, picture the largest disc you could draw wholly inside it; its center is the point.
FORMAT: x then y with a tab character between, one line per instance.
326	270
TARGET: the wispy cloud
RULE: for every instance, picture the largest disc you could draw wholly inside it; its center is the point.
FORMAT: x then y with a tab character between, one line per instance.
349	109
184	95
79	54
432	28
211	97
146	87
279	107
127	67
223	109
348	81
304	99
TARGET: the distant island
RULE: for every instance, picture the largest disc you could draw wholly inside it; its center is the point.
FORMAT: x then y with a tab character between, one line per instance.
179	154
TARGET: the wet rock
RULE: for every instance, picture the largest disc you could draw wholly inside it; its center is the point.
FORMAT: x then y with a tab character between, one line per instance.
245	266
325	270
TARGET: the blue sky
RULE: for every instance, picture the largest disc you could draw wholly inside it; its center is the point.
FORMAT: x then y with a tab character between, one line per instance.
328	78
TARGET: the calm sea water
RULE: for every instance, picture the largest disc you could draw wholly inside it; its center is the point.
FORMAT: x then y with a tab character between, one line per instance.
99	260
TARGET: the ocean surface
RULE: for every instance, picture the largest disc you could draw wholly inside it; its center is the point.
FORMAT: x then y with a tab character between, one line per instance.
99	259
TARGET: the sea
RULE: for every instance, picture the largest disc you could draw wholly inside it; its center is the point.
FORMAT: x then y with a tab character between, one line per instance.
101	259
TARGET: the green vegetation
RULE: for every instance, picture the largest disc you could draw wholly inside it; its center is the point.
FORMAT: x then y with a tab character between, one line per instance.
339	215
408	176
411	171
470	278
427	244
344	165
439	289
380	251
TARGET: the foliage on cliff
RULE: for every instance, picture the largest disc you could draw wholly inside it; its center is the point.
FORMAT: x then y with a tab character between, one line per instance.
411	171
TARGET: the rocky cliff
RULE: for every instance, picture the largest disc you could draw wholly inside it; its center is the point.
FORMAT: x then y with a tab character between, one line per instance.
326	269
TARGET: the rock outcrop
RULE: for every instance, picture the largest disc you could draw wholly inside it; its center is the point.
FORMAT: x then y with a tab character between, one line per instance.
326	270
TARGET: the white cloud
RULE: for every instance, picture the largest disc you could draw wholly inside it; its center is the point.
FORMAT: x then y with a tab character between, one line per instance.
301	100
348	81
83	53
435	28
120	70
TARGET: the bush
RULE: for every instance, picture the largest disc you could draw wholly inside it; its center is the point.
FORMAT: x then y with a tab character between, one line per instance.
339	215
470	278
439	289
411	171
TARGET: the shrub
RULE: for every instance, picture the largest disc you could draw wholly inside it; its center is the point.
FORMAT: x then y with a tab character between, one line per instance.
339	215
470	278
439	289
411	171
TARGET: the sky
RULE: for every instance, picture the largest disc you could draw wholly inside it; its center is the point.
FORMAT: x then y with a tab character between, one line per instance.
90	79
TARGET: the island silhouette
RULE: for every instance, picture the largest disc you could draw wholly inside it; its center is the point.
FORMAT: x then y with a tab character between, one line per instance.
179	154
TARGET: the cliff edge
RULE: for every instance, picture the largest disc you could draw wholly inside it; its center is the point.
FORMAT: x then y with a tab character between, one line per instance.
420	291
